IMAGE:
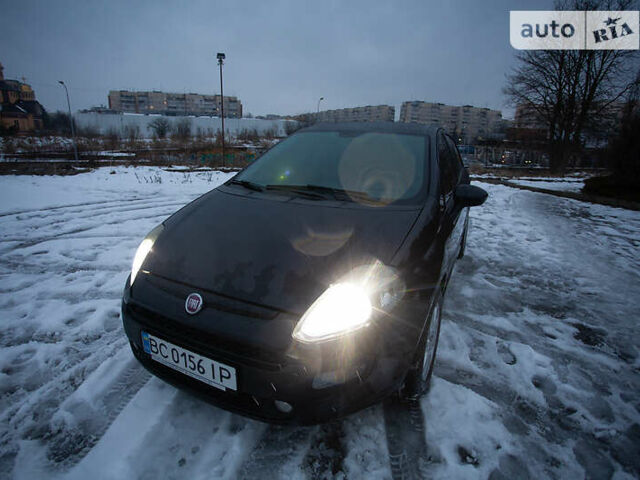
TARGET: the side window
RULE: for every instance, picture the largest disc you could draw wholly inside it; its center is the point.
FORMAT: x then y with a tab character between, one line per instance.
448	177
455	156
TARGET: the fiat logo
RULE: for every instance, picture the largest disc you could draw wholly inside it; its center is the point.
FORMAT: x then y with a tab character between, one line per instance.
193	304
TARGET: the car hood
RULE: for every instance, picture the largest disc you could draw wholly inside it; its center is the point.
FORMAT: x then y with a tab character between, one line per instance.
273	250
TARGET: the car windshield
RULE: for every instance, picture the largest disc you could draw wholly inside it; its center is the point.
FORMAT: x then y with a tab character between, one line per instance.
383	167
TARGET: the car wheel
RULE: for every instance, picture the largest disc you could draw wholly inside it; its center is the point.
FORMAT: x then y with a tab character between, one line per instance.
419	377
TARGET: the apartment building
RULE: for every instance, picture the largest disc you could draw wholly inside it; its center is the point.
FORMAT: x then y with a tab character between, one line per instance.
173	103
530	123
465	123
527	117
370	113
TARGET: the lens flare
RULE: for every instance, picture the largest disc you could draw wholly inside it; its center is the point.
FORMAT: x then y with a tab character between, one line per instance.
344	307
350	304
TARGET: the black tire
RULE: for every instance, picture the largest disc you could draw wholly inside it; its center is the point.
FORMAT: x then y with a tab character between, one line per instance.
419	377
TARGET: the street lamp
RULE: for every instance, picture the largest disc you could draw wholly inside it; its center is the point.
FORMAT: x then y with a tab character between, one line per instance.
318	109
221	57
73	131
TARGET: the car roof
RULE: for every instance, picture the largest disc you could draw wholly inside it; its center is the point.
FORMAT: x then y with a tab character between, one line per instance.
382	127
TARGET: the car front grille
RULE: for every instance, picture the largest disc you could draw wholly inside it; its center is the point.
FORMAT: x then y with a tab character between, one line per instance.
208	344
237	401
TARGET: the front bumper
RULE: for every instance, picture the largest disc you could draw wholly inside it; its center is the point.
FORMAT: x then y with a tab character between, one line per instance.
369	369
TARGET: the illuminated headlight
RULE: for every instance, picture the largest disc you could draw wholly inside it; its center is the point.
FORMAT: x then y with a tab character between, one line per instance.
143	251
344	307
349	305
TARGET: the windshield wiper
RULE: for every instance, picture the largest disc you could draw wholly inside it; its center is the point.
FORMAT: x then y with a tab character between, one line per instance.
342	194
248	184
298	189
319	191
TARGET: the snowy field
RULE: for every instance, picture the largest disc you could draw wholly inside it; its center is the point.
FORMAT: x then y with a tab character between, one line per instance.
568	183
537	376
560	184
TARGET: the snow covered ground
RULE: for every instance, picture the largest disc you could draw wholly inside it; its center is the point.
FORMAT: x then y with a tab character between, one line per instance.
559	184
537	376
568	183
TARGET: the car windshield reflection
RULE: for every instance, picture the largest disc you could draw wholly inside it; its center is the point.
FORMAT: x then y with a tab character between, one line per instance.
373	167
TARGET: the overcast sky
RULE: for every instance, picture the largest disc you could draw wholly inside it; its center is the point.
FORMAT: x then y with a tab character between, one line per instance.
281	55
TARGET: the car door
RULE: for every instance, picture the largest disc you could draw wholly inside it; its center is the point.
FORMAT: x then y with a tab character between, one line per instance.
459	215
451	220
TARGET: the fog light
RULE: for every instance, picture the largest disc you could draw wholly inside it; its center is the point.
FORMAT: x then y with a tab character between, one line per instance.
284	407
328	379
336	377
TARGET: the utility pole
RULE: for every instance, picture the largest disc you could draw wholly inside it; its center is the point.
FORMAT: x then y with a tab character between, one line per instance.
73	131
221	57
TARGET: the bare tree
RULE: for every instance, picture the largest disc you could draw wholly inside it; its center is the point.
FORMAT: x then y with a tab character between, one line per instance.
182	129
291	127
624	148
570	89
160	127
113	138
132	133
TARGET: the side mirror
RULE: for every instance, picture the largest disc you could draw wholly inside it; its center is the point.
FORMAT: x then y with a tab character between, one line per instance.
470	195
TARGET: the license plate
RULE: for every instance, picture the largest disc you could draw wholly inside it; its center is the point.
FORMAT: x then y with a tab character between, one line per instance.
201	368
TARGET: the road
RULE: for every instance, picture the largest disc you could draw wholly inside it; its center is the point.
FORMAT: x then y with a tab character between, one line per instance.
537	373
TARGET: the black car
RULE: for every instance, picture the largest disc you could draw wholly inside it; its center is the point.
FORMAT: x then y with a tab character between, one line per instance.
309	285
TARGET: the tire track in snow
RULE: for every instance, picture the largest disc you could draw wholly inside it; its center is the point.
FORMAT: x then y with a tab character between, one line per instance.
59	207
69	351
284	451
189	439
65	216
563	404
38	240
79	208
405	434
69	235
279	453
30	416
540	342
58	268
325	457
120	208
67	446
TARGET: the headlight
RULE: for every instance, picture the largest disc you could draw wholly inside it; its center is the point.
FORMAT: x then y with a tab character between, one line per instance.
143	251
349	305
344	307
